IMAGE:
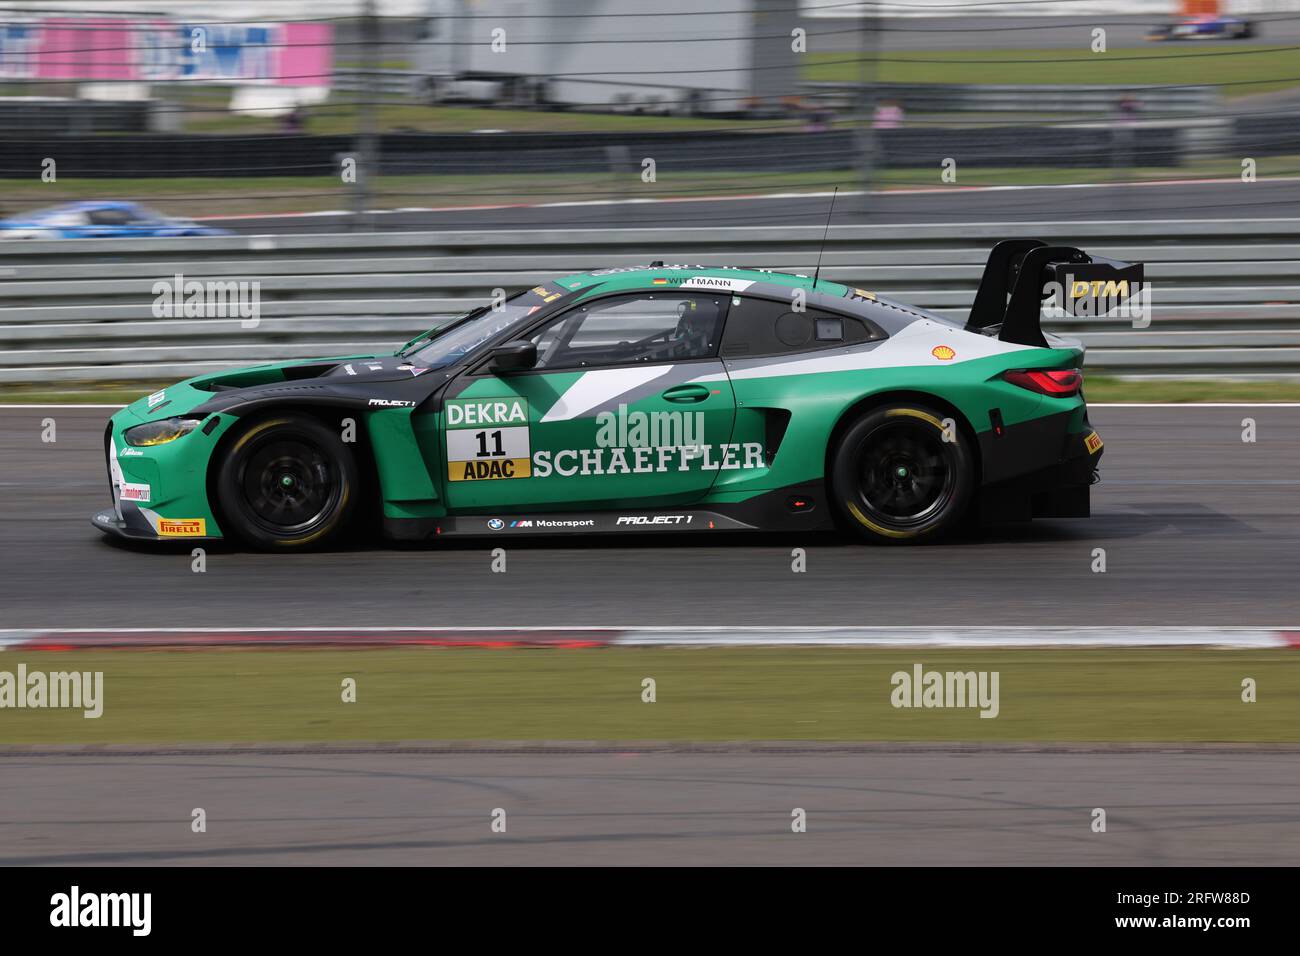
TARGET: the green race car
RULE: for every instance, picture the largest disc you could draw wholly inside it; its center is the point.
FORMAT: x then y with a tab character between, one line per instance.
663	397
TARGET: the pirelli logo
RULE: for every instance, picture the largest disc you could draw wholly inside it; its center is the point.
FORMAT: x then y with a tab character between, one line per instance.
488	439
182	528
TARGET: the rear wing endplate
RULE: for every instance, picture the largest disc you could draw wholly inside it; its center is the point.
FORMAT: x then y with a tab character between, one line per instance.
1021	273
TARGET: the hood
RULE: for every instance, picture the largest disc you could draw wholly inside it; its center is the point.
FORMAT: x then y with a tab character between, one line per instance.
241	383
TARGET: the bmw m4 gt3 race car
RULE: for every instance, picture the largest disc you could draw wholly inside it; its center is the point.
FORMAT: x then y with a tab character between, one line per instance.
667	398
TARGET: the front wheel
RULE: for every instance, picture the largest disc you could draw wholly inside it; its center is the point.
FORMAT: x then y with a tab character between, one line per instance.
903	473
286	483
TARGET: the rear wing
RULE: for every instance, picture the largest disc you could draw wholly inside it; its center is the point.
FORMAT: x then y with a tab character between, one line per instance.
1021	273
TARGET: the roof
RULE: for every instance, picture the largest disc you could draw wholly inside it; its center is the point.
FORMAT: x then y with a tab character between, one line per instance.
62	209
889	314
91	204
675	275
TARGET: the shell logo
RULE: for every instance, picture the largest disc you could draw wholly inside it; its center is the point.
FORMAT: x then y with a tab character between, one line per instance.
943	353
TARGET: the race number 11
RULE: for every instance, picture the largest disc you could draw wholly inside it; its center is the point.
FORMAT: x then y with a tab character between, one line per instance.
483	452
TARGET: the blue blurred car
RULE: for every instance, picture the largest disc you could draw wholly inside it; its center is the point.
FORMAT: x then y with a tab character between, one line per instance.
1205	27
100	220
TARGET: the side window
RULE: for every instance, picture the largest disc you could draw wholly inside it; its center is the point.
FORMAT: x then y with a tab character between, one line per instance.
769	327
65	220
646	327
109	217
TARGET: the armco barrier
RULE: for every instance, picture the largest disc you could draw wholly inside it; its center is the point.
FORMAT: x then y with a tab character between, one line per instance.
1226	294
410	154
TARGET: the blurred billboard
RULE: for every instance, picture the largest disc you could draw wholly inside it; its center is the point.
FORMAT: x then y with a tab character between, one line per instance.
154	50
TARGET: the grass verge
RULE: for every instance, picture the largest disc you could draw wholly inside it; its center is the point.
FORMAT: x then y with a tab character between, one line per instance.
1242	71
215	196
1102	388
108	393
251	196
155	697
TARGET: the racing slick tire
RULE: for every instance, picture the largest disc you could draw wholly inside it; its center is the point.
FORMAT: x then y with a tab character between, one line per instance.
286	483
900	476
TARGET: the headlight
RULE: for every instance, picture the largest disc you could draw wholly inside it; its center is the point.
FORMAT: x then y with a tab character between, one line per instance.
161	432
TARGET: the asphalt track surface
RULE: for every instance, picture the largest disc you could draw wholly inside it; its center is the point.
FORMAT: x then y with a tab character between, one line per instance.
1198	528
921	204
987	808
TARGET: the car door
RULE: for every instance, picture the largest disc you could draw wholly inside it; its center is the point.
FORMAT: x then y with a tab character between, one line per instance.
772	353
608	417
126	221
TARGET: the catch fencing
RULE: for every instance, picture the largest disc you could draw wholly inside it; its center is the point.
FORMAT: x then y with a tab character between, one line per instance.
1225	294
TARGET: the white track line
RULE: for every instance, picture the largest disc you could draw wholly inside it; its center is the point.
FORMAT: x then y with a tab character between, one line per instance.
981	636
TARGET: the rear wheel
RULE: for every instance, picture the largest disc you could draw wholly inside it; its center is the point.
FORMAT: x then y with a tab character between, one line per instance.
286	483
903	474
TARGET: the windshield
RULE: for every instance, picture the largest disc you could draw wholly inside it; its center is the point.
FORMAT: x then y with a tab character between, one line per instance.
463	335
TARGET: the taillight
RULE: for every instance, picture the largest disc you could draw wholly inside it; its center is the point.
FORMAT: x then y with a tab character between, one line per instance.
1058	383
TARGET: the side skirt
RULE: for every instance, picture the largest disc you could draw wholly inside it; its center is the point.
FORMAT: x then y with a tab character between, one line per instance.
787	509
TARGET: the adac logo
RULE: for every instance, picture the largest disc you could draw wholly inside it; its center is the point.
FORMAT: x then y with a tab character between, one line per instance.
496	524
943	353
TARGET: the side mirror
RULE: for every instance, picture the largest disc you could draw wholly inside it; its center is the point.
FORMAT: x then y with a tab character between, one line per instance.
513	357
